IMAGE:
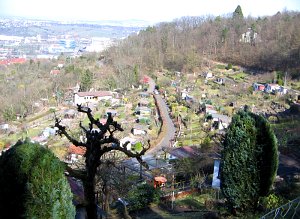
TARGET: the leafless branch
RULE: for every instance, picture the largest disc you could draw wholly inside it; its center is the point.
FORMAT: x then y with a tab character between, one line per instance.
79	174
62	131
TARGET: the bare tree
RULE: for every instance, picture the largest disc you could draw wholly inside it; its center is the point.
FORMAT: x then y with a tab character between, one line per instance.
98	142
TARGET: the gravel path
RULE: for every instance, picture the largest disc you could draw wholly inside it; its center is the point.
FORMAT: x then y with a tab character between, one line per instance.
165	142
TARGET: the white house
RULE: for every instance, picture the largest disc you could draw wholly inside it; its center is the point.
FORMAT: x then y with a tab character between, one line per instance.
60	65
269	88
184	93
47	132
272	88
4	126
139	130
220	81
220	121
249	36
209	75
91	97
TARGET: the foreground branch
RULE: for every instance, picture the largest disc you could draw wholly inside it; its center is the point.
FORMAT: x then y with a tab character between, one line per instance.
98	143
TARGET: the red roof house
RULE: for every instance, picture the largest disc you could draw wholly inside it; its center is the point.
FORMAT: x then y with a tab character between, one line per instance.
12	61
76	150
54	72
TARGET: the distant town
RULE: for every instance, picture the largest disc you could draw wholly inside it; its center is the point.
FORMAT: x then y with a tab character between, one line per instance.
39	39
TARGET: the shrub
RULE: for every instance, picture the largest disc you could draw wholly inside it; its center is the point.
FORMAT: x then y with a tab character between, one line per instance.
32	183
270	202
221	66
229	66
143	195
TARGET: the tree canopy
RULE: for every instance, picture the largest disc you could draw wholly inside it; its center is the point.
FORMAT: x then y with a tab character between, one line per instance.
249	160
86	80
238	13
142	195
33	185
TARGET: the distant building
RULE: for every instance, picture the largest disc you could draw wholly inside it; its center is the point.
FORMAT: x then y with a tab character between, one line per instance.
220	121
91	97
220	81
54	72
68	44
183	152
60	65
12	61
75	153
250	36
275	88
258	87
208	75
209	109
139	130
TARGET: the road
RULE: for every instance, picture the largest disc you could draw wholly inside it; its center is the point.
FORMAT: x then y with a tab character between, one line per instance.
164	113
151	155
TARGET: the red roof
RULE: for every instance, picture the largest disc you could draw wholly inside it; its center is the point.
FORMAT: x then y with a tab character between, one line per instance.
160	179
95	94
54	72
76	150
12	61
145	79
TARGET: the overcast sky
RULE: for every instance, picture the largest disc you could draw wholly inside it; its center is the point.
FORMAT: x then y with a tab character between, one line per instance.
148	10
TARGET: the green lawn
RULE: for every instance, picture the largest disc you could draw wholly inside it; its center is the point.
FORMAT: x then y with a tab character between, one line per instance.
156	212
86	120
239	76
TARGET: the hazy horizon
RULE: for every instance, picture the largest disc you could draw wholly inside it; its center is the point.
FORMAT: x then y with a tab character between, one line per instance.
148	11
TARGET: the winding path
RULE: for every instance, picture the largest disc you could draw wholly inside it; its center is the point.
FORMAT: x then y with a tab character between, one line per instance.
167	121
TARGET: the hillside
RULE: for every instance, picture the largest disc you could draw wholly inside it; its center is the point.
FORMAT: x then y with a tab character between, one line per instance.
262	44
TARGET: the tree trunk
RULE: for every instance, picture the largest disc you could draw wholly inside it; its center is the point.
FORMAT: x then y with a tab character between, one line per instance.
89	193
92	162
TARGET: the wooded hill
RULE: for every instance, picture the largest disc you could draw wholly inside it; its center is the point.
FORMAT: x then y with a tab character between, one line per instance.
272	43
186	44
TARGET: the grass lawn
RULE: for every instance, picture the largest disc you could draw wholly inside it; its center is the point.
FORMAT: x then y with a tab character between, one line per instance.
38	116
156	212
19	135
287	132
239	76
189	142
86	120
194	201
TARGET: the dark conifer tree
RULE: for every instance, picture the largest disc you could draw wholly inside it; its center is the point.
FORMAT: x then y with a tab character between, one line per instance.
249	160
